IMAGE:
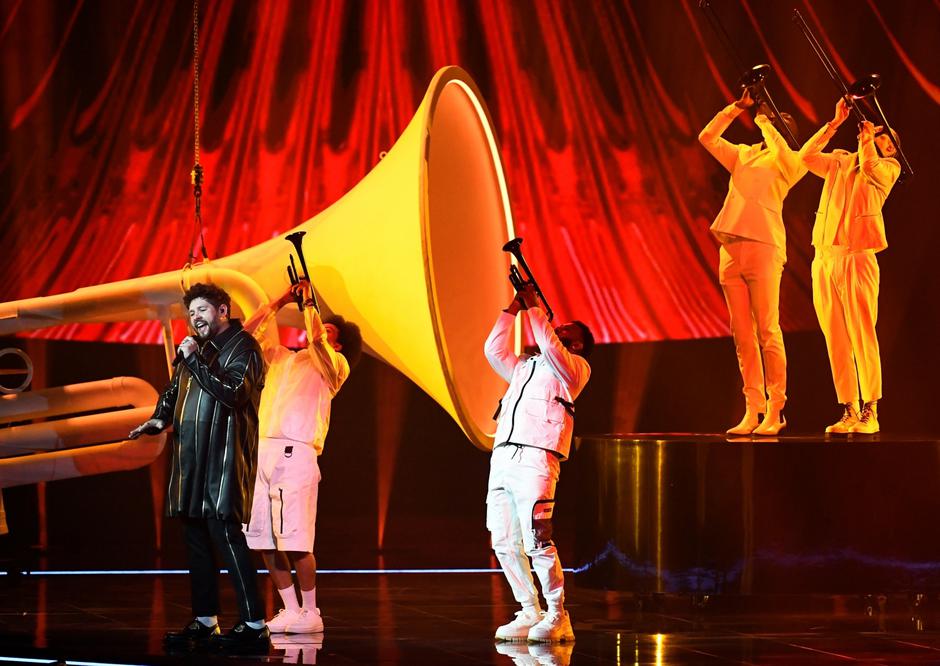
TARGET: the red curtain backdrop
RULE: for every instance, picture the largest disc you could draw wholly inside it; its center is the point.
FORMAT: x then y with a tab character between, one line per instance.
597	106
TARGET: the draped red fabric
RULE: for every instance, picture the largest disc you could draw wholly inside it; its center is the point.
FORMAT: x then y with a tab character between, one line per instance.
597	107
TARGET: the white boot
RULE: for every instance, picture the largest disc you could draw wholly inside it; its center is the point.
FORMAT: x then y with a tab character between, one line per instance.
867	420
518	629
844	425
747	424
773	423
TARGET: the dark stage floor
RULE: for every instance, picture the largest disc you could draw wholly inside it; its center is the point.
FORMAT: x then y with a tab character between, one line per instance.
418	619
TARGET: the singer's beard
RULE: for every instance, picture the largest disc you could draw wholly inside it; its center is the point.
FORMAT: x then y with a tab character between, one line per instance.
204	333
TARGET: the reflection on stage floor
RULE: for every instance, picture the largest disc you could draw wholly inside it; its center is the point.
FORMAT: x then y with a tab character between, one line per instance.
415	619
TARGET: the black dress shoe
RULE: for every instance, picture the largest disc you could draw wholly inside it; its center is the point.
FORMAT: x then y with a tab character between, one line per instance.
194	632
242	638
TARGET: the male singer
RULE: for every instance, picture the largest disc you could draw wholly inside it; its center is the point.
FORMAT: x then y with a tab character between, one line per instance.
213	402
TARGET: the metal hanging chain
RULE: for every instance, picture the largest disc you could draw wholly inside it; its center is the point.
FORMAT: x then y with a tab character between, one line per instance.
197	172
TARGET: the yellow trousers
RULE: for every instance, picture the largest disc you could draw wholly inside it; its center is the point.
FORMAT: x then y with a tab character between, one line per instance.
845	295
749	273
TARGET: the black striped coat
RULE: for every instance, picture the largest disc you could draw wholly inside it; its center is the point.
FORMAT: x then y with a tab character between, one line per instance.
213	400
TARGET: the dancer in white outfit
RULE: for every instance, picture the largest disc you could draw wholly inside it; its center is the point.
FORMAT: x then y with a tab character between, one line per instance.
533	436
293	421
753	252
849	232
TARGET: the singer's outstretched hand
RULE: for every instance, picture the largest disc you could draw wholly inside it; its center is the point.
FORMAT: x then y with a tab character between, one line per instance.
151	427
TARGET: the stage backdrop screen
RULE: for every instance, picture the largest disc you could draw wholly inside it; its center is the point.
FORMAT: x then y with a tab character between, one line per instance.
597	107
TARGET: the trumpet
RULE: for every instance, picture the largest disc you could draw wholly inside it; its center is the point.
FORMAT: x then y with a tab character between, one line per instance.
863	88
518	281
753	79
297	238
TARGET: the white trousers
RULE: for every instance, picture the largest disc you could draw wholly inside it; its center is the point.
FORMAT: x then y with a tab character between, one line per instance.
749	273
845	295
520	501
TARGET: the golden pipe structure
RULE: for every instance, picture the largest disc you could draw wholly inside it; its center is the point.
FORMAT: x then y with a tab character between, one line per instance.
72	446
76	398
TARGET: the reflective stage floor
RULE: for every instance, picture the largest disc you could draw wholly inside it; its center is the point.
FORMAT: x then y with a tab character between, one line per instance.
442	619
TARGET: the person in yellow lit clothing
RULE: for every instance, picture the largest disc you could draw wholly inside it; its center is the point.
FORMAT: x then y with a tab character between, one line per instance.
848	232
753	252
293	421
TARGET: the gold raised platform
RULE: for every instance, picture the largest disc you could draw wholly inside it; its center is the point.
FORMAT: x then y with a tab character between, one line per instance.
700	513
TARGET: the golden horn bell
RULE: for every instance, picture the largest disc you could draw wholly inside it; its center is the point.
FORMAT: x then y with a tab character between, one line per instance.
411	254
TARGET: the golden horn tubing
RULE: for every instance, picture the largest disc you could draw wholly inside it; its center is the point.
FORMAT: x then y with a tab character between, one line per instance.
79	445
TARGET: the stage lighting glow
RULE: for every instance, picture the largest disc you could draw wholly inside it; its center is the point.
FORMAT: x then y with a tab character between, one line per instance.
96	663
176	572
68	662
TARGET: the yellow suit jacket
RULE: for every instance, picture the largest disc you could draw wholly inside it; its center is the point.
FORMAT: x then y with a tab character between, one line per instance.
855	188
760	181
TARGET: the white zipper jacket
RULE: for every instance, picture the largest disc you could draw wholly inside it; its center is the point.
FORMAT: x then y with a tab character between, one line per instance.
299	386
529	413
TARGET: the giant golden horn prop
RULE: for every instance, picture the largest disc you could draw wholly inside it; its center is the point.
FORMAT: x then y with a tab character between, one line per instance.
411	254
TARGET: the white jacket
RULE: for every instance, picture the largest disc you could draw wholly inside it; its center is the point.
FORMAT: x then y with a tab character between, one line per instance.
760	181
529	414
856	186
299	386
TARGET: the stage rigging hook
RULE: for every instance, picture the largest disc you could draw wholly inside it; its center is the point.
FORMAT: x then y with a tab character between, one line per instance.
197	174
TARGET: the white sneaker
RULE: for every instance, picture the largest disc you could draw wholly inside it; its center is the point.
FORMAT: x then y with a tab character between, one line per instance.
278	624
309	622
518	652
307	642
548	654
554	627
518	629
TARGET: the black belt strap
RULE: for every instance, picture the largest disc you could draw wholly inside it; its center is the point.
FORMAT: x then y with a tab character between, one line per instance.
569	406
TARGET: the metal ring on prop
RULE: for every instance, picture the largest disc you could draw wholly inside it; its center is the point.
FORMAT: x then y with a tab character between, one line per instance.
28	371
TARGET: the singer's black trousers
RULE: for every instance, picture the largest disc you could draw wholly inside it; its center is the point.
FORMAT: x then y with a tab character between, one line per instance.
227	537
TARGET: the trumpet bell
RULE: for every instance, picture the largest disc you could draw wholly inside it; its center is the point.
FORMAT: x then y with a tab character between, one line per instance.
754	76
408	254
512	246
865	86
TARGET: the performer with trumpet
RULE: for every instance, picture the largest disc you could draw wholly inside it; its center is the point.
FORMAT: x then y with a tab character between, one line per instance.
752	255
533	436
848	232
293	421
212	400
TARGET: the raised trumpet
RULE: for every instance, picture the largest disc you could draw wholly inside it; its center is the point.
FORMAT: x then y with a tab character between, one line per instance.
297	238
516	278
